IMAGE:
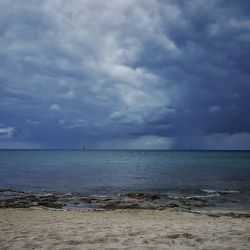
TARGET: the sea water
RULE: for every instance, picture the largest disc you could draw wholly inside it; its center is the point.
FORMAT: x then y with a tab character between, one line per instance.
220	175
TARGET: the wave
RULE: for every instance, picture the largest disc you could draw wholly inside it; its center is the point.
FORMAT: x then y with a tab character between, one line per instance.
201	193
220	192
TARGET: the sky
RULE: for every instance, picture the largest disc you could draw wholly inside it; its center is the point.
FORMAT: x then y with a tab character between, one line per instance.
125	74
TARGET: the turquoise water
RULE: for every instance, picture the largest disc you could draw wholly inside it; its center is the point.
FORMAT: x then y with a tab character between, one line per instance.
196	173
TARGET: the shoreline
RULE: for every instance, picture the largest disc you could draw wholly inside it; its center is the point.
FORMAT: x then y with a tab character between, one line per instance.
10	198
36	228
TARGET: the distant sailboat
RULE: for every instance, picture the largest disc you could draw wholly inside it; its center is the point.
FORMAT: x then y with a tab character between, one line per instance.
83	148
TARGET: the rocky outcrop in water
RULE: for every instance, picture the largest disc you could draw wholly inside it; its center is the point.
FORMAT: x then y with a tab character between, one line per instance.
19	199
16	199
193	202
145	201
143	196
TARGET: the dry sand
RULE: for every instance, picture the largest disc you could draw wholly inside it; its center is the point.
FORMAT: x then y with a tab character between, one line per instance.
127	229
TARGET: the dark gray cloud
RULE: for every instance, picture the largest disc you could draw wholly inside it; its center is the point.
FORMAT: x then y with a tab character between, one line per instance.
125	74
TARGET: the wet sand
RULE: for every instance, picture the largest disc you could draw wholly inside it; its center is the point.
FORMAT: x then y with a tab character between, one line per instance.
120	229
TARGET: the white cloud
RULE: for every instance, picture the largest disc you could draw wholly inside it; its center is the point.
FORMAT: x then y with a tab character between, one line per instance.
91	39
55	107
125	116
69	95
6	133
214	109
94	39
73	123
32	122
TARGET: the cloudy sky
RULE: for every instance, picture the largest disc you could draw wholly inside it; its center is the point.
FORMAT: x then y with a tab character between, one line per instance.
155	74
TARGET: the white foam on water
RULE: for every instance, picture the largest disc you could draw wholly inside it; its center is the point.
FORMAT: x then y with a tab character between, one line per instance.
219	192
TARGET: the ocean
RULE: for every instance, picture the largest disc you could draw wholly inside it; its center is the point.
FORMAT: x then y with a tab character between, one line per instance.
220	176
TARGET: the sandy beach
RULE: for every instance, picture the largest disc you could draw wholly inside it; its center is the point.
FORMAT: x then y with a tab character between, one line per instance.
120	229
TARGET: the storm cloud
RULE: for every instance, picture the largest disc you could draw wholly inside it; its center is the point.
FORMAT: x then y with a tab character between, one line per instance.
125	74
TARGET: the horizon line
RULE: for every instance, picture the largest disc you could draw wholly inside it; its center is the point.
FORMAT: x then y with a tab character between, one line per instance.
123	149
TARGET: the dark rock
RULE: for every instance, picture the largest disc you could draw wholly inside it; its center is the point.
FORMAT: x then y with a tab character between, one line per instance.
27	201
143	196
50	201
193	202
110	204
52	205
18	202
87	199
172	205
129	204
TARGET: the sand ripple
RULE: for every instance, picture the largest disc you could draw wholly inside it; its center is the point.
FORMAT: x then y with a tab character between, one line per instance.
130	229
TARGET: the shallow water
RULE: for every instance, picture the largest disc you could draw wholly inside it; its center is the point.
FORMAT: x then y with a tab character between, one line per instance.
222	176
